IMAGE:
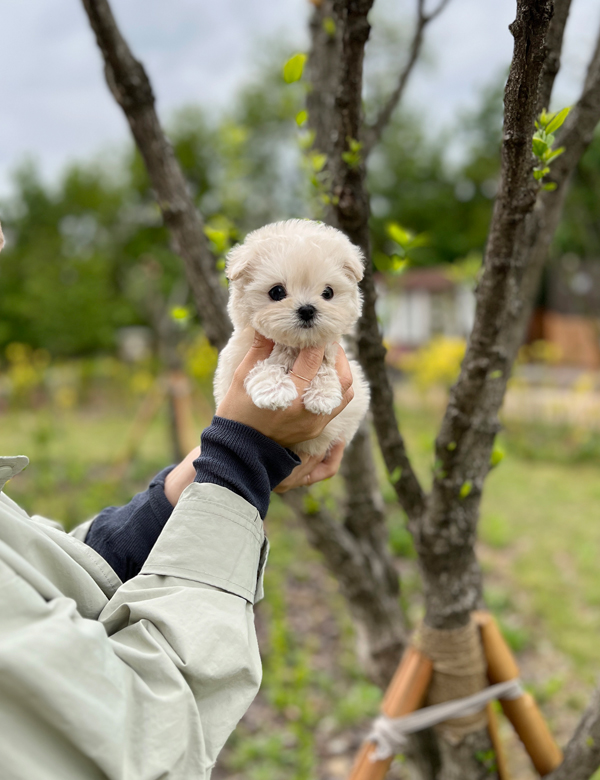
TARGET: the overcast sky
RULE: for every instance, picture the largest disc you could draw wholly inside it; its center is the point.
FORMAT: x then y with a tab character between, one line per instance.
55	105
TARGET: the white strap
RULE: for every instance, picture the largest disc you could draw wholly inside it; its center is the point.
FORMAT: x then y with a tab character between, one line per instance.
389	734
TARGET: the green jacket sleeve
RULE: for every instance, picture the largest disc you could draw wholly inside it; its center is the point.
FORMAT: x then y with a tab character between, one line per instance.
155	685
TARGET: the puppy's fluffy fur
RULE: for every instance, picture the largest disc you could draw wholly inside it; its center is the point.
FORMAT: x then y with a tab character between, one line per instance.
309	260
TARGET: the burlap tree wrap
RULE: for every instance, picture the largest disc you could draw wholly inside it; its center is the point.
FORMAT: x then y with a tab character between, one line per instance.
459	669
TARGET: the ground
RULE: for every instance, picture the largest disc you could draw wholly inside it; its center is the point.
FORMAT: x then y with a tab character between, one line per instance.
539	542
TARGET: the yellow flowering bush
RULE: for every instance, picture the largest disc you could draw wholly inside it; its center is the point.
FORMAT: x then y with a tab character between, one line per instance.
436	363
26	369
201	359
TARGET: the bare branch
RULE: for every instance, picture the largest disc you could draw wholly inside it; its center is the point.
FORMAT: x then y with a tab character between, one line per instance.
469	427
372	133
582	754
335	66
364	583
132	90
554	42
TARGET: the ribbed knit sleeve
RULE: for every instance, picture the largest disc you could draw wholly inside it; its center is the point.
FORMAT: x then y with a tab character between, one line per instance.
232	455
242	459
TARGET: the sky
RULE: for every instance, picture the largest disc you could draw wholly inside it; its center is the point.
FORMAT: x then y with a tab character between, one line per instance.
55	105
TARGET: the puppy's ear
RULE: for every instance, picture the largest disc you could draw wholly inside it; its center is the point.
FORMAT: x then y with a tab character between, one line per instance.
239	260
354	264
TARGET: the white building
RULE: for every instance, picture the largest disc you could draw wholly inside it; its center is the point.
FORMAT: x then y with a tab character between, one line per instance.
421	304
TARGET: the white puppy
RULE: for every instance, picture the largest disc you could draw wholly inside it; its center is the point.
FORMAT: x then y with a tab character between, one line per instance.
296	283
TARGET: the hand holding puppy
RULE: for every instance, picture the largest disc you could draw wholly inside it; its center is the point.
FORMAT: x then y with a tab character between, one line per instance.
287	426
293	424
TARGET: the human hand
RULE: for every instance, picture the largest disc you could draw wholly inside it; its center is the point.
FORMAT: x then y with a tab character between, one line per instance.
294	424
314	468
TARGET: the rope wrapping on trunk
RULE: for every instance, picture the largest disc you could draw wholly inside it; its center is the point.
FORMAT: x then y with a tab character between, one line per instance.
389	734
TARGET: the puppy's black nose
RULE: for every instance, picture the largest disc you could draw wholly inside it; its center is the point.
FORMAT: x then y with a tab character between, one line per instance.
307	312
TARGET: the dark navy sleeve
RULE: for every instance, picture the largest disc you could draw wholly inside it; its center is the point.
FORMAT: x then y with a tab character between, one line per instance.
242	459
232	455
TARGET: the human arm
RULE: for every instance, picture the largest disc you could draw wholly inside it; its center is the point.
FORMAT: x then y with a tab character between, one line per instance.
244	449
154	686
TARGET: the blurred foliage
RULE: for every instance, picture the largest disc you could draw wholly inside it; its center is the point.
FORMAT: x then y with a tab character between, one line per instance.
436	363
81	256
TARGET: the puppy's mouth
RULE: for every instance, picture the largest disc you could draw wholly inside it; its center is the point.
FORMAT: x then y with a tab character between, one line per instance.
307	325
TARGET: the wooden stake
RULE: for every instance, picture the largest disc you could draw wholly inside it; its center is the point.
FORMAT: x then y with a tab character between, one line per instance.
181	397
523	712
496	743
405	694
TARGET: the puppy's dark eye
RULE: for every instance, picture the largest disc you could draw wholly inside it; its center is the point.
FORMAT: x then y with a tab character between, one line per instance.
327	294
277	293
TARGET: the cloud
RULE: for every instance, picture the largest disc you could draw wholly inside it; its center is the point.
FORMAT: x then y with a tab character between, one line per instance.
56	106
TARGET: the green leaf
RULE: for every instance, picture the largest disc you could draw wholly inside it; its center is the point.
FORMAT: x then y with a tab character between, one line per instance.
301	117
421	240
352	159
329	26
399	264
180	314
354	145
293	68
311	505
451	447
218	238
539	173
539	146
399	234
558	120
318	161
554	153
497	455
550	187
395	475
545	117
466	488
495	374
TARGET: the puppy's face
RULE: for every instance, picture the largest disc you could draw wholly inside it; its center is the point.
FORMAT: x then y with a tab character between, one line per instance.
296	283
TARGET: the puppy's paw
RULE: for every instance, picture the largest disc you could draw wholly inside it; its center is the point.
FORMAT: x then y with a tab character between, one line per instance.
270	387
317	401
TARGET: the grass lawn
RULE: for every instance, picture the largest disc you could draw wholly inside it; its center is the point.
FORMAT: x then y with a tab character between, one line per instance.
539	545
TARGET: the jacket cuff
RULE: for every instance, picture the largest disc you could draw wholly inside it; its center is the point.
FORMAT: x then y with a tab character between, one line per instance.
215	537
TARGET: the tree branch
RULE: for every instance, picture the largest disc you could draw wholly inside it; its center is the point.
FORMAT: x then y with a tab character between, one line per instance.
582	754
554	43
132	90
371	597
335	68
372	133
467	433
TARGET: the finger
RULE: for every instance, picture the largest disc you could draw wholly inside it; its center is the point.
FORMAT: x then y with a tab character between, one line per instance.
328	467
260	350
297	476
307	465
306	366
344	371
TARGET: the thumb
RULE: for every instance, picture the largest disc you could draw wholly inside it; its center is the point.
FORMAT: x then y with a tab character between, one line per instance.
260	350
306	366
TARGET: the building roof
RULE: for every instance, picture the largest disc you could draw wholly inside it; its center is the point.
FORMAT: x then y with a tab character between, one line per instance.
433	279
